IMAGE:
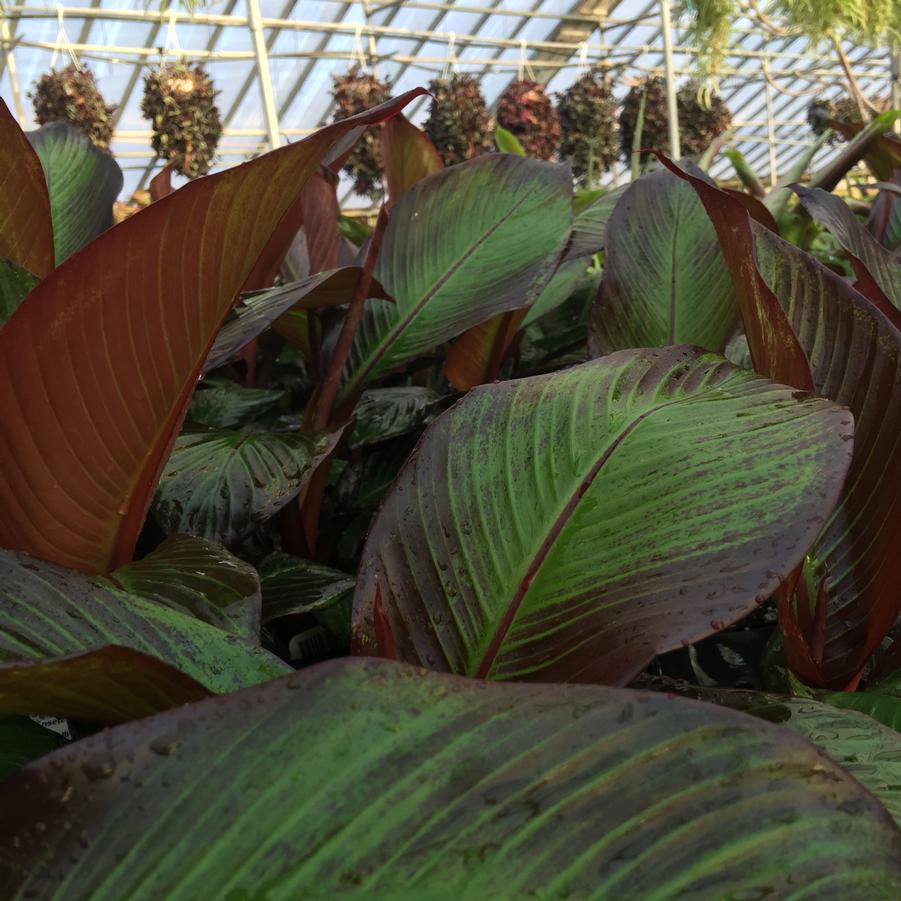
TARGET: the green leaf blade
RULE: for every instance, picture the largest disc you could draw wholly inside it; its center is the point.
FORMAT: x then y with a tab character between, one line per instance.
461	246
572	526
665	280
219	484
198	577
47	611
83	183
448	789
15	285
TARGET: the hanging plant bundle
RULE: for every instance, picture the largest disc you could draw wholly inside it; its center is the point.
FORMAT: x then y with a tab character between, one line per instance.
179	101
702	118
355	92
588	125
72	96
526	110
654	131
844	109
459	124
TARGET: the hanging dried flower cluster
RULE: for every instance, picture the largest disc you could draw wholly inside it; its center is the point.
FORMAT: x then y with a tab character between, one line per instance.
526	110
588	126
179	101
72	96
458	124
654	131
703	117
355	92
844	109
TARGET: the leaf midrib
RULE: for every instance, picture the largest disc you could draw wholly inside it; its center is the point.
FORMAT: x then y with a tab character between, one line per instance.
506	621
381	348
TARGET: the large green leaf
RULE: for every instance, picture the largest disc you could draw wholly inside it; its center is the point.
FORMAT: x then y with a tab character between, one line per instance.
462	245
21	741
83	183
47	611
15	284
98	366
365	779
572	526
195	576
665	280
219	485
26	229
878	270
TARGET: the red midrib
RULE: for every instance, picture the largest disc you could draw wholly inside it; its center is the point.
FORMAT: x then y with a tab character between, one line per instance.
545	547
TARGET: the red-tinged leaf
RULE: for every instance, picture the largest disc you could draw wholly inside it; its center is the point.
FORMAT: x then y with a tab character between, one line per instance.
319	211
854	355
110	685
161	183
476	356
384	637
885	213
98	367
756	209
795	637
774	348
871	143
407	155
271	257
26	230
569	527
316	210
877	269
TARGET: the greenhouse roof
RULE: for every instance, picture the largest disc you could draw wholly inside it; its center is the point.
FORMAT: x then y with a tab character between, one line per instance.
767	80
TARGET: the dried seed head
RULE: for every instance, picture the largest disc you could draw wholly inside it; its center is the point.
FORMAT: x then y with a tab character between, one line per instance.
526	110
179	101
72	96
459	124
354	93
588	125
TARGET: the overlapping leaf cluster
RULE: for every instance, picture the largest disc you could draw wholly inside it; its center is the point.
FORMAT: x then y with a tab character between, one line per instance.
494	438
